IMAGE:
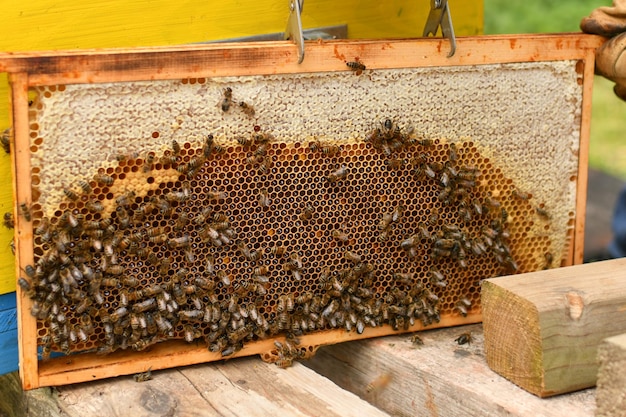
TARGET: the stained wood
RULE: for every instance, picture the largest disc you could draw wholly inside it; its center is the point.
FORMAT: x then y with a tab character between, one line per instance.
262	58
611	391
542	329
438	378
240	387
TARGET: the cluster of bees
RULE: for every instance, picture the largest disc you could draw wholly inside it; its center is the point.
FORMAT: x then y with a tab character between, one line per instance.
155	267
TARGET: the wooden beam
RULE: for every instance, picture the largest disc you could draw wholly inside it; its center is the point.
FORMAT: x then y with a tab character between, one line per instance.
438	378
281	57
239	387
542	329
611	392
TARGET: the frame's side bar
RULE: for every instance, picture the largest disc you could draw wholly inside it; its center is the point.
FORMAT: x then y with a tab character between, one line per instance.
583	157
264	58
22	198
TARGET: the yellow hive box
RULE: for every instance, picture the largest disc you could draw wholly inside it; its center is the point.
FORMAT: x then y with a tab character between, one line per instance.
227	196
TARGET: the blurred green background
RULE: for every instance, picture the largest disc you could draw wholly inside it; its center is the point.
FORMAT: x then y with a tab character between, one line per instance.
607	148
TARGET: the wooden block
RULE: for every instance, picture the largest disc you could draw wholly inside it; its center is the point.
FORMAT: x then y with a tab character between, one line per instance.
611	392
240	387
542	329
439	377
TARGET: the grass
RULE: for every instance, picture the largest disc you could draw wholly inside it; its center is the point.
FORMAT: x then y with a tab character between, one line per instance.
607	148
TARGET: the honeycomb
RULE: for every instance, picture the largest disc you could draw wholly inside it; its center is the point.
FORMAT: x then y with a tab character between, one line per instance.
231	210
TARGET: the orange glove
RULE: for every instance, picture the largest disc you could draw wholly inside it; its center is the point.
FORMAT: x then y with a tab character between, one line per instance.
610	57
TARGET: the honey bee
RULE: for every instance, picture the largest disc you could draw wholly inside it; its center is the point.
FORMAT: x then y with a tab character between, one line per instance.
247	109
217	195
517	193
244	249
224	278
542	212
264	200
25	211
5	140
379	383
465	338
85	186
357	66
175	147
385	221
429	171
8	221
307	212
394	163
254	160
227	99
25	286
284	362
340	235
168	160
278	250
143	376
404	278
352	257
433	218
94	206
338	175
549	258
179	242
118	314
261	137
181	221
244	141
201	218
265	165
330	150
71	194
416	340
103	179
125	199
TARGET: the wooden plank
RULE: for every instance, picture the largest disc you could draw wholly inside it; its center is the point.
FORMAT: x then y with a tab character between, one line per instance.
262	58
611	392
20	159
439	377
239	387
586	78
8	334
542	329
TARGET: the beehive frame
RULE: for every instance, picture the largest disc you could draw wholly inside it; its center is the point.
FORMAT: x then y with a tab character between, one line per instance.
335	150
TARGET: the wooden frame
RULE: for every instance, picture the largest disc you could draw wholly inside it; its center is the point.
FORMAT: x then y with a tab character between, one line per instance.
198	61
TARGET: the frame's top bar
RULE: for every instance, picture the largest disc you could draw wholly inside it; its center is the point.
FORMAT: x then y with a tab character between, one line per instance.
262	58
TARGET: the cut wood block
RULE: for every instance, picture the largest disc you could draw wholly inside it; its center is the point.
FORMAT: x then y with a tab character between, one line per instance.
438	378
542	329
239	387
611	392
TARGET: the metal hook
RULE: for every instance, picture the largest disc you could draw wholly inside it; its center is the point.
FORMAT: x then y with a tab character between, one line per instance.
440	17
294	27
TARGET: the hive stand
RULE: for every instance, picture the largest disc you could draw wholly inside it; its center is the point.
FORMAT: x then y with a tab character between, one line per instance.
393	373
